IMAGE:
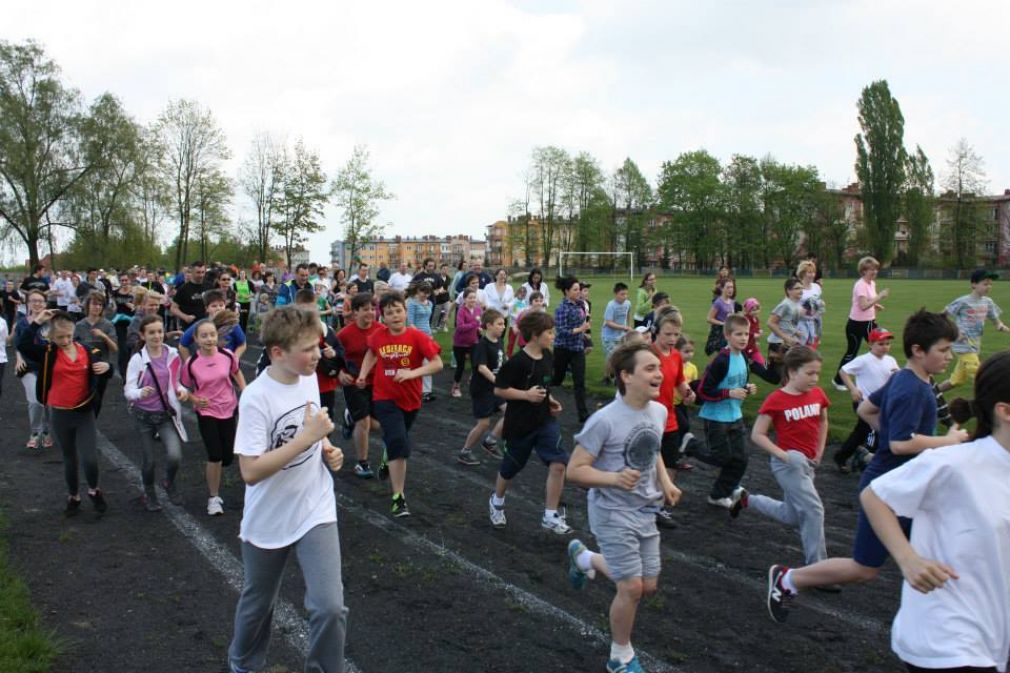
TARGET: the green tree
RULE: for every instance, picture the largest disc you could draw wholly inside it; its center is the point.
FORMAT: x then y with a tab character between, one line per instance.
632	203
880	165
190	146
45	146
305	194
691	190
592	207
212	194
261	180
836	234
742	242
790	204
964	182
358	195
549	165
919	203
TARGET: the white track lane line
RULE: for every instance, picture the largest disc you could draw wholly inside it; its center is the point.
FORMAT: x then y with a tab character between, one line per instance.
293	625
526	599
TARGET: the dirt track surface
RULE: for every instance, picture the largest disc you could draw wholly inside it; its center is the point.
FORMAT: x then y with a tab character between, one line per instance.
439	591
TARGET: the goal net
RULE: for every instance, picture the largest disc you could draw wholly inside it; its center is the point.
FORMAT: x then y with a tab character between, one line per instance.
617	263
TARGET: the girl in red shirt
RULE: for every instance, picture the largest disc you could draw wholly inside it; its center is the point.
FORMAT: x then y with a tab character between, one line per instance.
798	411
71	413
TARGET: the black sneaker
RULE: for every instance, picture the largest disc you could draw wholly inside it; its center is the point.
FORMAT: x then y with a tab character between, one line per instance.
399	508
664	517
466	457
73	506
346	424
490	444
779	598
98	500
741	499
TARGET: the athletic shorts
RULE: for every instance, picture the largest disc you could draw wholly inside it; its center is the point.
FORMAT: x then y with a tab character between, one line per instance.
359	402
964	369
628	539
487	406
395	424
545	440
867	549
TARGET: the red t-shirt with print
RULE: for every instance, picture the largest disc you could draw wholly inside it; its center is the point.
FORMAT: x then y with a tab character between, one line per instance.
796	418
408	350
672	366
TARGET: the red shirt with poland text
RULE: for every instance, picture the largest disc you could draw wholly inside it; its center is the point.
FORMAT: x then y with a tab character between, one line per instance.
408	350
796	419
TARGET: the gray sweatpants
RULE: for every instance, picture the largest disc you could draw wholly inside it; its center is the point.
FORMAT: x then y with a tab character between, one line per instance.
75	434
801	505
38	413
149	423
319	557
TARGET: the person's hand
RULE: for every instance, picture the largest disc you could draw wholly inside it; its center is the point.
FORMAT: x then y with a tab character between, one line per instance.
44	316
789	341
20	366
883	293
146	391
199	402
1002	327
189	318
345	379
333	455
738	393
555	407
671	494
879	307
536	395
99	367
924	575
129	305
857	395
627	478
690	397
329	353
183	395
97	333
402	375
751	388
958	434
361	382
317	424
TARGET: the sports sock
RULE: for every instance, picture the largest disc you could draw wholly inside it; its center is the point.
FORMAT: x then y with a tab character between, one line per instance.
550	513
623	653
498	502
585	560
787	582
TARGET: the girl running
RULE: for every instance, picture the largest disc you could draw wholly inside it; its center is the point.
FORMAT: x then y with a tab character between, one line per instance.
722	306
99	336
419	309
27	369
152	388
209	375
69	403
467	333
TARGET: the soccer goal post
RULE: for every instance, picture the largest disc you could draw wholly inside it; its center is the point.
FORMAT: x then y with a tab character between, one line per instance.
594	256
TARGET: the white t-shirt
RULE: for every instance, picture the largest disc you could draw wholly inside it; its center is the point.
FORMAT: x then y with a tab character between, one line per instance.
499	302
871	372
285	506
960	503
399	281
3	340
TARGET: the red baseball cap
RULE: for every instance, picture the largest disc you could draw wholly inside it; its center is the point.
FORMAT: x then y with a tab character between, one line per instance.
879	334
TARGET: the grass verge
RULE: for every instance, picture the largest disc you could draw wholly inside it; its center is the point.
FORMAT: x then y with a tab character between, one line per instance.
25	646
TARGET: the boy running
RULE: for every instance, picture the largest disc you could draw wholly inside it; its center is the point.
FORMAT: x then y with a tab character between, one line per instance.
359	417
617	455
969	313
488	356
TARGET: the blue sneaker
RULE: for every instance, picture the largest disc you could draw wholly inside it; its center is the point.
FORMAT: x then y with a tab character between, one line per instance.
576	575
347	426
615	666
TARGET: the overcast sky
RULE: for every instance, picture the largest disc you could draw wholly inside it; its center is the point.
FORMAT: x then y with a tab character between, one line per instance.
450	97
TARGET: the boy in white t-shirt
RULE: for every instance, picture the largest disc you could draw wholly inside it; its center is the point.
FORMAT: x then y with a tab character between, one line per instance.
872	370
289	503
954	612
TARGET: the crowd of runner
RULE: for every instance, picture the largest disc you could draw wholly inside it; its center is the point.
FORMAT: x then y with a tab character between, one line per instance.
178	340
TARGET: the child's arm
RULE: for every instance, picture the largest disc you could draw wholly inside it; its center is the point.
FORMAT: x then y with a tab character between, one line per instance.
919	443
773	325
685	392
486	372
239	379
434	366
671	494
580	471
759	436
316	426
533	395
366	368
923	574
710	319
822	436
857	394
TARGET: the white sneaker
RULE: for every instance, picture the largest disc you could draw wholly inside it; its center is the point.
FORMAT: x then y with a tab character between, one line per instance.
841	387
497	513
215	506
721	502
556	524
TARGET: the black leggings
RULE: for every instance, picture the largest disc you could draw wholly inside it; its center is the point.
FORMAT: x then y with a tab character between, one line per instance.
218	436
461	353
858	436
856	331
76	435
564	360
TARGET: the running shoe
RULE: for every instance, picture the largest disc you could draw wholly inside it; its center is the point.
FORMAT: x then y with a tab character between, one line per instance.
215	506
555	524
466	457
615	666
33	442
150	500
173	492
839	386
741	499
363	470
383	467
842	465
98	500
73	505
47	440
862	459
664	517
497	513
429	397
399	508
490	444
455	391
725	503
346	425
576	575
779	598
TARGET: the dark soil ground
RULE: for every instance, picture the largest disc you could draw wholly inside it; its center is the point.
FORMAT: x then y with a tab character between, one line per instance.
440	591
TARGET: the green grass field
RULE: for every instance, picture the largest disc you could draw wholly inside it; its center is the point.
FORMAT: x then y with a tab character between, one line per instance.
693	296
25	647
